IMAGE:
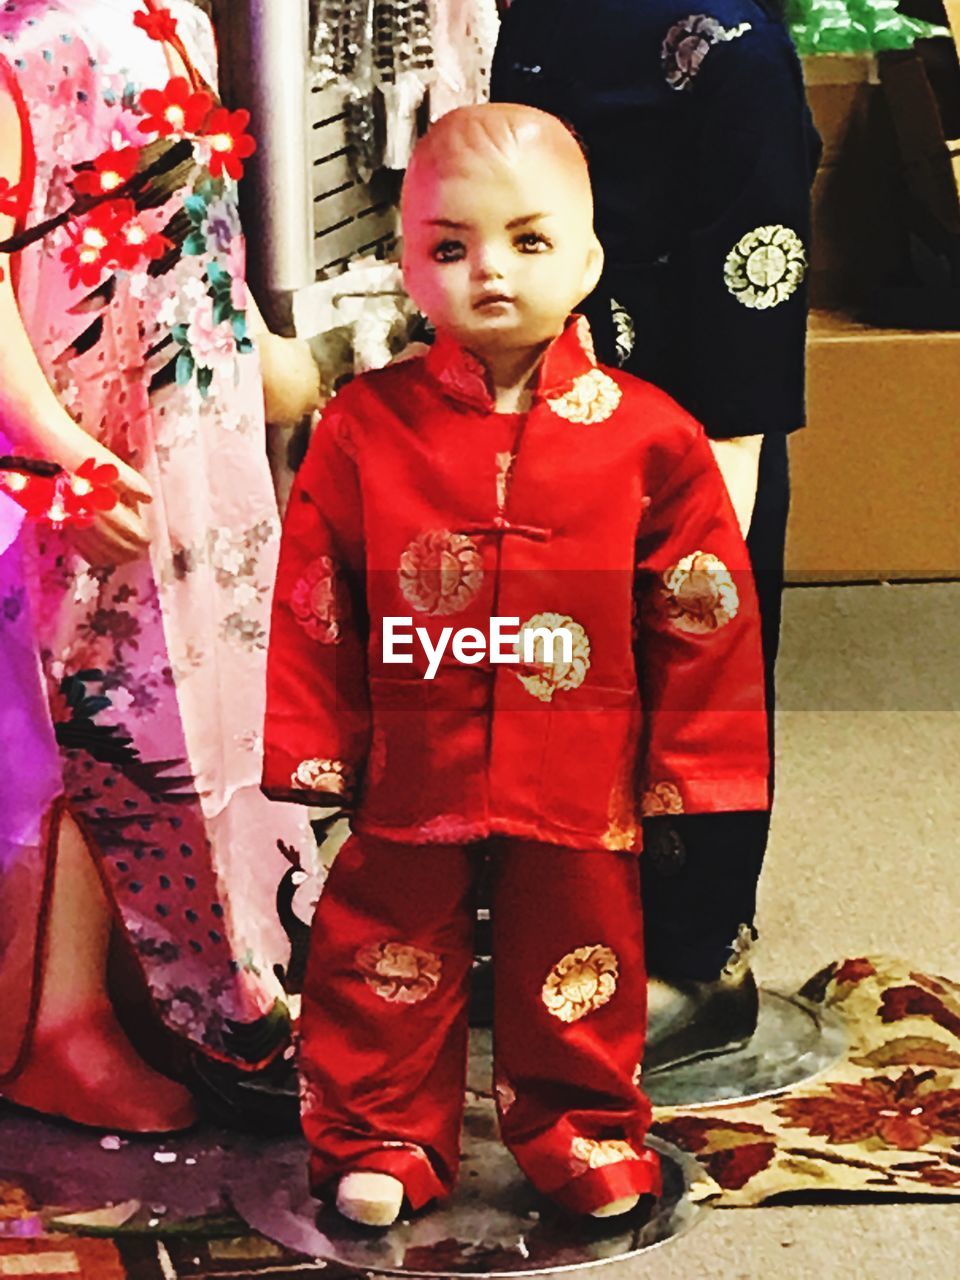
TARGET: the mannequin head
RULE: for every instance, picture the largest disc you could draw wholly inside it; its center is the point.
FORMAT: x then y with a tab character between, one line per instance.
498	239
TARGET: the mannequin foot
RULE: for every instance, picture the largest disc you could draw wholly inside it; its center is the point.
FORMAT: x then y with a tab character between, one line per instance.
687	1019
88	1072
372	1199
616	1207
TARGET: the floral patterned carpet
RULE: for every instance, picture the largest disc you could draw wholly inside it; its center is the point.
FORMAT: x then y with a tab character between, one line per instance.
885	1120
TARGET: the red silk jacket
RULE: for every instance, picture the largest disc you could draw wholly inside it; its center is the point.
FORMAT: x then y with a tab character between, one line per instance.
600	510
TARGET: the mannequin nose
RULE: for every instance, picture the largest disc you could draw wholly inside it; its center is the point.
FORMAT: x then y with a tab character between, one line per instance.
487	266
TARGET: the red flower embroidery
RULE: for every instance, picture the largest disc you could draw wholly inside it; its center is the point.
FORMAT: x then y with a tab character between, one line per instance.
88	254
9	199
314	601
110	171
159	25
734	1167
854	971
730	1163
89	490
110	236
175	109
135	244
914	1002
937	1176
905	1113
230	144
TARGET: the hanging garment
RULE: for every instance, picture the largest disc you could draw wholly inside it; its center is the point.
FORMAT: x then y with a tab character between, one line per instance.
154	671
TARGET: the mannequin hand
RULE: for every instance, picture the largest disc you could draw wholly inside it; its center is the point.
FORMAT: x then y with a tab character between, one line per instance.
114	537
412	351
291	379
739	463
118	535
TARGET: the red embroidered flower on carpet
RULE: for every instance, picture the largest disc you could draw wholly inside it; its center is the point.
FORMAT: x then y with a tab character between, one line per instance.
731	1151
110	171
159	24
913	1002
854	970
230	144
905	1113
175	109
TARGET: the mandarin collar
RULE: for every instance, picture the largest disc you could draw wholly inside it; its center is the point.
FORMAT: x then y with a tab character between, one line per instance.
464	377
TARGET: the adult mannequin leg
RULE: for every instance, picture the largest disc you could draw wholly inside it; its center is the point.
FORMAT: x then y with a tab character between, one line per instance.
700	872
79	1063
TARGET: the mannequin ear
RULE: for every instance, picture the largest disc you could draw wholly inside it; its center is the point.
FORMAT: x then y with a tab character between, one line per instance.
594	265
408	275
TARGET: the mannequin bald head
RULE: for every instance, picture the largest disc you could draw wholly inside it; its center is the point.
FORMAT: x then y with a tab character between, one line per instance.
497	137
498	233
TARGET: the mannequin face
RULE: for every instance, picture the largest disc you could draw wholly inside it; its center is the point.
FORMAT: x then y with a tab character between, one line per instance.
498	250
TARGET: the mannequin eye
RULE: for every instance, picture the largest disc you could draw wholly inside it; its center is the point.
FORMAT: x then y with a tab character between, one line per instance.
449	251
532	242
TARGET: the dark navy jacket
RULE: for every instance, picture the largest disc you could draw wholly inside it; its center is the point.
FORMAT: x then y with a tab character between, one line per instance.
702	152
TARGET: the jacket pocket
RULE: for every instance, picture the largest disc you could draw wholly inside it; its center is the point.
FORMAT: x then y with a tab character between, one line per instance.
427	749
589	759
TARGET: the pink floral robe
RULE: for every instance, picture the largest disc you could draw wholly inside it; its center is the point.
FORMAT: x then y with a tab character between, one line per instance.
154	671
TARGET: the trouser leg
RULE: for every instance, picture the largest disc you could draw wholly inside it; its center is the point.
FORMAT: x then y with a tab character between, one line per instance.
383	1053
700	871
569	1020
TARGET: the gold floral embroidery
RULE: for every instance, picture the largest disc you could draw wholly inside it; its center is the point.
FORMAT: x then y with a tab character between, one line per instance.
311	1097
618	838
585	338
594	1153
581	982
449	828
765	267
323	775
688	42
621	832
660	799
398	973
440	572
504	463
700	594
624	331
593	398
506	1094
314	604
543	678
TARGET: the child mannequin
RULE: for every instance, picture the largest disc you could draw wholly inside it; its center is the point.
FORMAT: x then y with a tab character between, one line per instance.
504	474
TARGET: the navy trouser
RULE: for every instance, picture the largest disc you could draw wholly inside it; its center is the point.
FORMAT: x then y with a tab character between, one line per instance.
700	871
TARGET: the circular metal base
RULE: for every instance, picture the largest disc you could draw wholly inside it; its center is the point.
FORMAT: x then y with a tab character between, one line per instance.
794	1042
494	1224
138	1184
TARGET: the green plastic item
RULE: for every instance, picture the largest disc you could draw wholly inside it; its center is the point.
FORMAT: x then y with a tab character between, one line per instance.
854	26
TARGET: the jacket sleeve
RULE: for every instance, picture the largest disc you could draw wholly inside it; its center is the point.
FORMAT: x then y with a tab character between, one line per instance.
317	721
698	644
742	258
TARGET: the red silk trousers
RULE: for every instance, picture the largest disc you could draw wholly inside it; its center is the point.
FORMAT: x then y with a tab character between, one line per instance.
384	1027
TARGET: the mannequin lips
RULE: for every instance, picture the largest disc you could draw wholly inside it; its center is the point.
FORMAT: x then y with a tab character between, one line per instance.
493	301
